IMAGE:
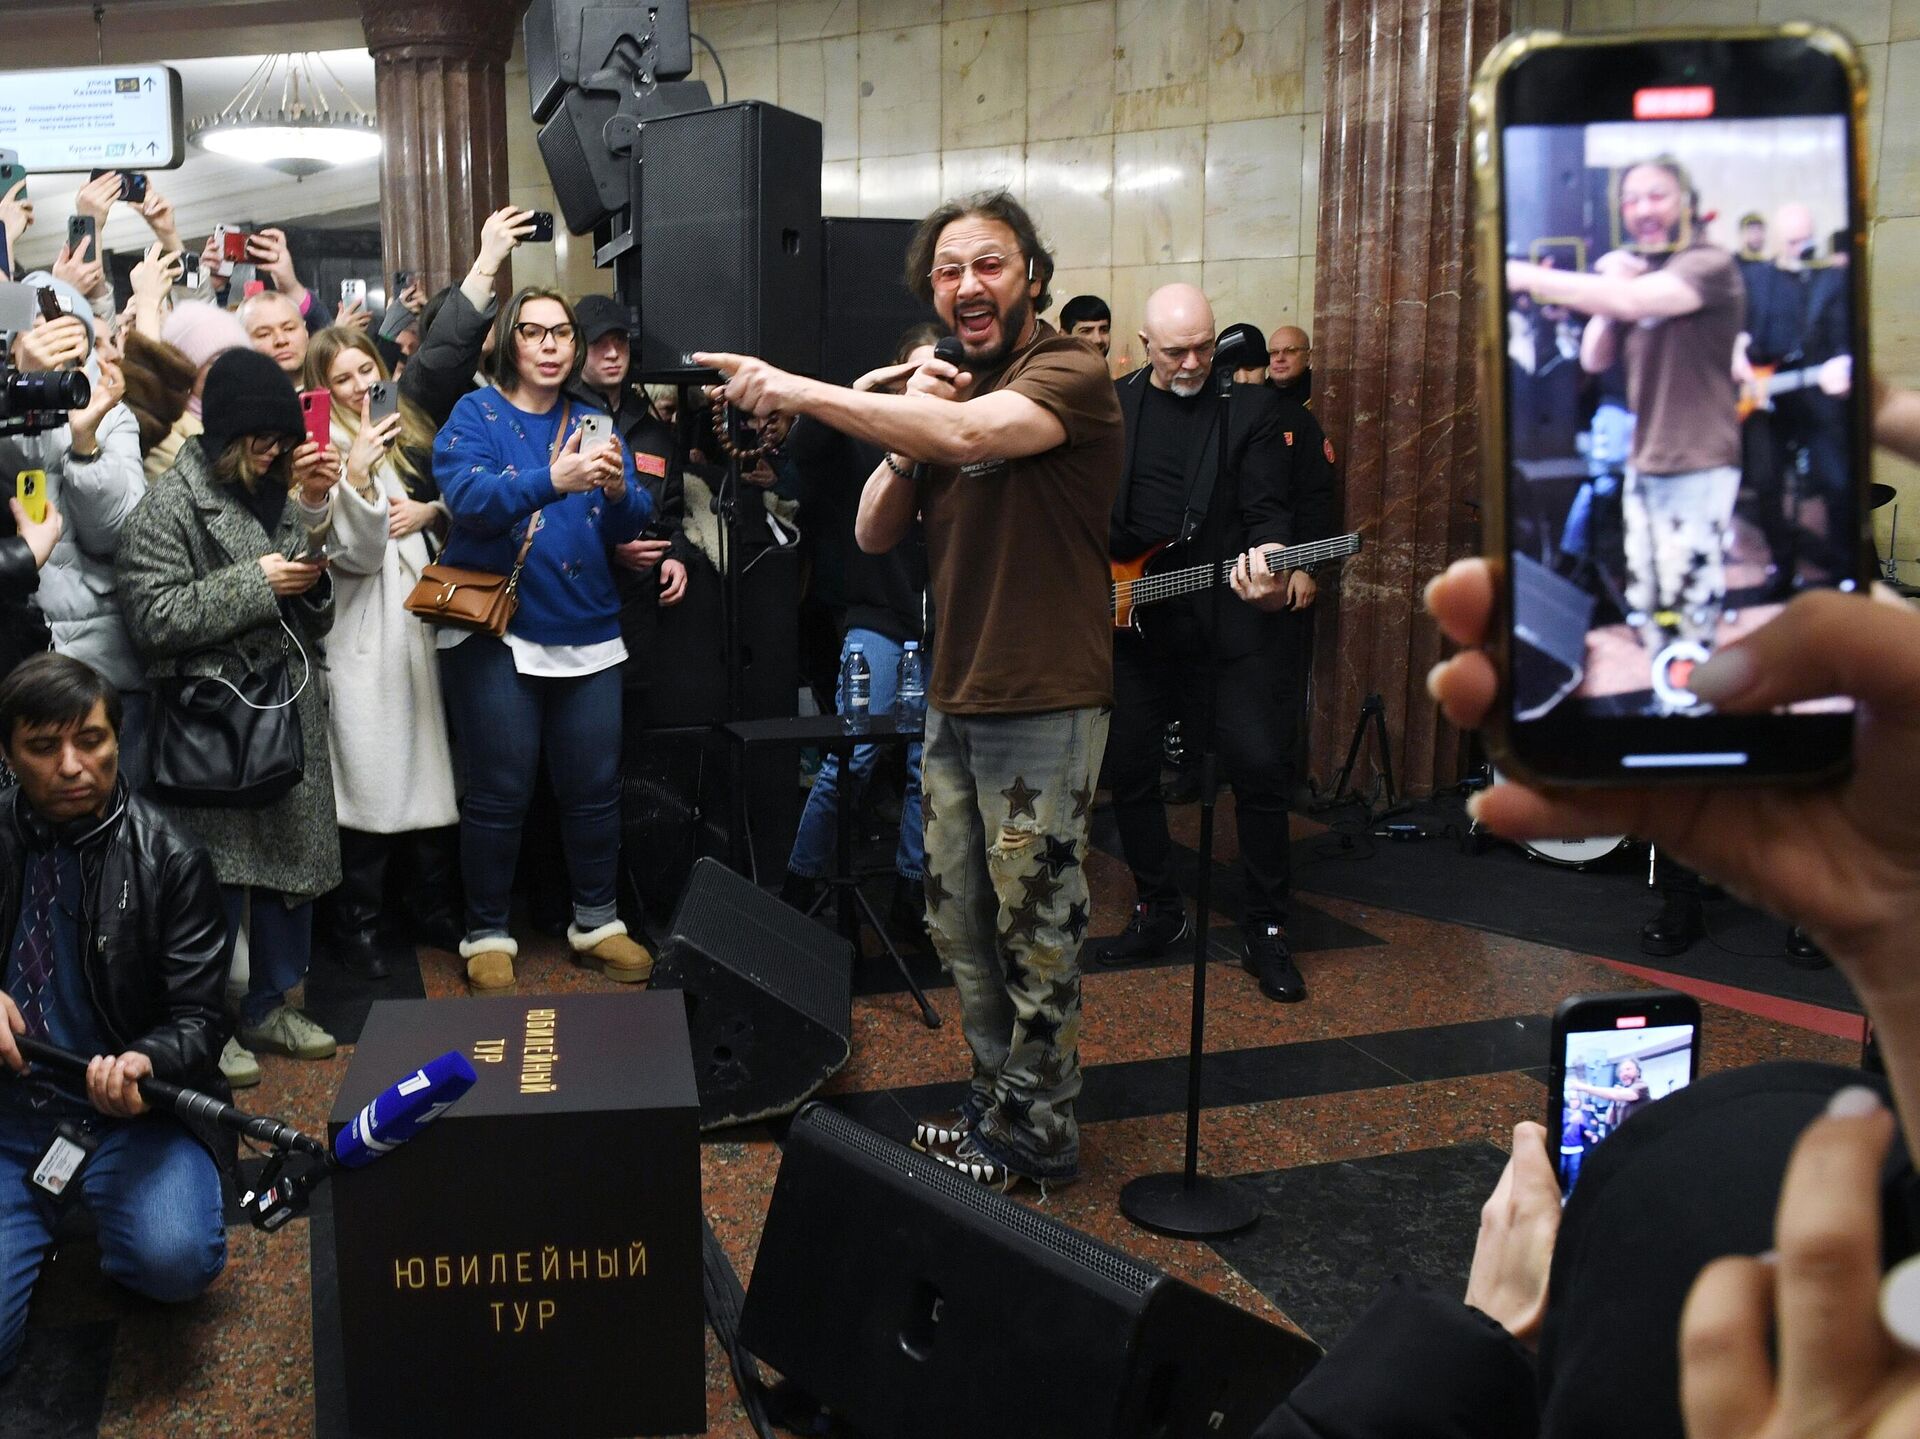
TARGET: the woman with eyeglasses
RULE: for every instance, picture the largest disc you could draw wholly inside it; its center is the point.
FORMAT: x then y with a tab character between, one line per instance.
211	587
521	486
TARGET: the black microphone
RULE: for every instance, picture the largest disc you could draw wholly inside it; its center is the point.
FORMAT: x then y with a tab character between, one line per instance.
952	351
187	1103
1237	346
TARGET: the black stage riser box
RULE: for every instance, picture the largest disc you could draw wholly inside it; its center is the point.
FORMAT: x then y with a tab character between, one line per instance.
867	305
956	1311
769	996
529	1263
729	239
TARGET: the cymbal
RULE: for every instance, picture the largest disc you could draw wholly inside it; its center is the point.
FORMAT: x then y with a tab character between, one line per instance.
1878	495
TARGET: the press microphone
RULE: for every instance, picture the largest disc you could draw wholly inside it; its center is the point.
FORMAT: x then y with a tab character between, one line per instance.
403	1109
952	351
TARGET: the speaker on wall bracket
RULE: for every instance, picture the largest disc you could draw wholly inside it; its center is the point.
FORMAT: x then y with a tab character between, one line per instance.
727	218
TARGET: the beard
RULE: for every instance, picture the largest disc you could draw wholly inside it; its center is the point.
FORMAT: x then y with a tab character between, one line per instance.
1187	389
1013	324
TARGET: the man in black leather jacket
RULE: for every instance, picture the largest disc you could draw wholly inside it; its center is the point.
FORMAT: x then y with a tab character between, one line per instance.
114	928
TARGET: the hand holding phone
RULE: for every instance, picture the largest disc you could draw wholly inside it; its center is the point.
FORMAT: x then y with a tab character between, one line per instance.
83	230
1615	292
542	228
316	408
353	292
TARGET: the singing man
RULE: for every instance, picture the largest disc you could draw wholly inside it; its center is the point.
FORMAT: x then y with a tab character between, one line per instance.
114	934
1011	460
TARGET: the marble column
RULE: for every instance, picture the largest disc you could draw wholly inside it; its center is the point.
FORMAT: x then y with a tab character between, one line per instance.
1393	351
441	90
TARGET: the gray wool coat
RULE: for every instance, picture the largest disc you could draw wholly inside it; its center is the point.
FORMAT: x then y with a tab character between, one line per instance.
197	602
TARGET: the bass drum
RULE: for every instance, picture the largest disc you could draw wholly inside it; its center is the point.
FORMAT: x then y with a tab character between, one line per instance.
1573	853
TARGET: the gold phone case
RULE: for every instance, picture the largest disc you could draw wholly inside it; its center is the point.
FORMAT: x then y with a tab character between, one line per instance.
1489	265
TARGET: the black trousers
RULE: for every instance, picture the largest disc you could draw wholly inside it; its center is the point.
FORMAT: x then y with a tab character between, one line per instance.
1254	722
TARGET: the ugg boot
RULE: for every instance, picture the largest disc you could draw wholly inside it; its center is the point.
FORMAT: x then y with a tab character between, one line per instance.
612	951
490	963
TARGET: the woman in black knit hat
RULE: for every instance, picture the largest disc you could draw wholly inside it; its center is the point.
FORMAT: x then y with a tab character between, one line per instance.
210	589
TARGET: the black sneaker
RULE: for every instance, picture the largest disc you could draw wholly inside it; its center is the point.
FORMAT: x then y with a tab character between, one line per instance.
1153	930
1269	957
989	1173
1673	930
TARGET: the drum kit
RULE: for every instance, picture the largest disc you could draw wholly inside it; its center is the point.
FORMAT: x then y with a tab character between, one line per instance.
1878	495
1567	853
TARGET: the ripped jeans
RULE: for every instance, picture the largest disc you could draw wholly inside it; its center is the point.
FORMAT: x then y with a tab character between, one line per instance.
1008	800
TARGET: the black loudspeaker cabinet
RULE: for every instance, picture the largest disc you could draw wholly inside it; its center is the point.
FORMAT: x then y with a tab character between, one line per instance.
950	1303
867	304
769	996
568	40
729	240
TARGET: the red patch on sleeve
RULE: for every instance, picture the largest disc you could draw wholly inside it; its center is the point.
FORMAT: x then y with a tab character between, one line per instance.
646	464
1327	445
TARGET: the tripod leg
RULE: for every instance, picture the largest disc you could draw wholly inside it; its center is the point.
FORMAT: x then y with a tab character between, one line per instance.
1386	753
927	1012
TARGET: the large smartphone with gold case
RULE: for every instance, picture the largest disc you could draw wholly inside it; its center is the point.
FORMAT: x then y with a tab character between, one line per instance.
1673	379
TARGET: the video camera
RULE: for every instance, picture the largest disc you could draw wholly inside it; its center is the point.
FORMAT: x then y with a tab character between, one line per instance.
32	400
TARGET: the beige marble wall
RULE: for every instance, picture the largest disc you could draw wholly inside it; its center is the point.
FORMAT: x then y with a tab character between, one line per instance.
1153	140
1888	34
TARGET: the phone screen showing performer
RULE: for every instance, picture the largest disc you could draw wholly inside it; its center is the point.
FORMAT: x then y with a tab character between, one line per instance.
1612	1056
1682	384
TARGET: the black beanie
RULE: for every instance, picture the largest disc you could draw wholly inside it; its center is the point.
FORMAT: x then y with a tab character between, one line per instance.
246	394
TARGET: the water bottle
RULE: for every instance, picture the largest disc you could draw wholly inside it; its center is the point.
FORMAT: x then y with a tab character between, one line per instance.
856	685
910	697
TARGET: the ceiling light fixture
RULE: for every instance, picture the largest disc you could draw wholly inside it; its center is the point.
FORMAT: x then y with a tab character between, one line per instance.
301	135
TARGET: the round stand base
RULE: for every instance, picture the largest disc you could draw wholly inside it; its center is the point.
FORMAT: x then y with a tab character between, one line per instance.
1198	1209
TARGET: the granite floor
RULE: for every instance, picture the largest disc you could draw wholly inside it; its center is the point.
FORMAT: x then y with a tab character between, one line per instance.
1369	1123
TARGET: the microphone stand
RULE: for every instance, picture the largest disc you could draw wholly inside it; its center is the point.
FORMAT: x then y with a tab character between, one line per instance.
1189	1204
297	1167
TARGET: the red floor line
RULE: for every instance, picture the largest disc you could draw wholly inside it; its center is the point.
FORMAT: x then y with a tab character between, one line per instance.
1817	1017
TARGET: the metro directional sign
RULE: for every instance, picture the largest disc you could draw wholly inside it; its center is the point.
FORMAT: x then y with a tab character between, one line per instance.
113	117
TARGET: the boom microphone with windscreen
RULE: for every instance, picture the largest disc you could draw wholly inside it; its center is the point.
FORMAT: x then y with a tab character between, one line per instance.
401	1110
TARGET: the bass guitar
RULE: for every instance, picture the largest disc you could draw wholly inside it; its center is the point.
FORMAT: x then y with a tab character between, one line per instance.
1770	380
1134	587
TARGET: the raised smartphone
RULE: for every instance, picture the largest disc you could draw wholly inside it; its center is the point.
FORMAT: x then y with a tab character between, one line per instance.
595	430
1673	387
81	228
12	172
542	228
353	292
1610	1056
133	186
316	408
30	487
383	401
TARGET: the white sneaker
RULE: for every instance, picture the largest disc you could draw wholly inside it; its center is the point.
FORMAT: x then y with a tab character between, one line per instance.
287	1031
239	1066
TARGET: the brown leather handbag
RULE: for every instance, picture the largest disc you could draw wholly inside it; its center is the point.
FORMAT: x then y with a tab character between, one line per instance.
478	600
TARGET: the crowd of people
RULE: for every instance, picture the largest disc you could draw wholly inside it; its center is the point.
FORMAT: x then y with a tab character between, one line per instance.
198	531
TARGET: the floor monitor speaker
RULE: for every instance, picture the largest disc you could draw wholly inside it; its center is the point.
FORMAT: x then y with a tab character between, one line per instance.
769	996
957	1312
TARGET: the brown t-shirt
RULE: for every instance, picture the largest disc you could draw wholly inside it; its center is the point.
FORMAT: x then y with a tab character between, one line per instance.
1680	371
1017	549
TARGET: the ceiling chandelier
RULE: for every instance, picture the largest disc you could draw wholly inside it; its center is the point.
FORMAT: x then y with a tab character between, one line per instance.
283	118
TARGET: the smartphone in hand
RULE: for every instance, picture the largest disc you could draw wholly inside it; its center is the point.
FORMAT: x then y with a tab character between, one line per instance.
12	172
81	228
316	408
353	292
542	228
1655	485
30	488
1610	1056
383	401
595	431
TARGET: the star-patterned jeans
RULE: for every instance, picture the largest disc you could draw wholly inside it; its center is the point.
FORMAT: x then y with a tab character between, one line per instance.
1008	800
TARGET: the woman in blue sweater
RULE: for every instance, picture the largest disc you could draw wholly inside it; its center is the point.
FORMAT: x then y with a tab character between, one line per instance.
510	457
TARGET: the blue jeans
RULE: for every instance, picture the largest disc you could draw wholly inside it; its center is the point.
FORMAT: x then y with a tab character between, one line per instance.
279	946
154	1192
512	717
812	855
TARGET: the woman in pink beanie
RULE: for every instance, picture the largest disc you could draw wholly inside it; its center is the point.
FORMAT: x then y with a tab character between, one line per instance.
202	332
